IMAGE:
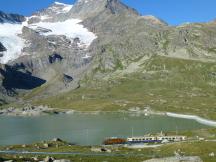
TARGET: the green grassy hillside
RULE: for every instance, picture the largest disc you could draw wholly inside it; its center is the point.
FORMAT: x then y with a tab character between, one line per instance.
162	83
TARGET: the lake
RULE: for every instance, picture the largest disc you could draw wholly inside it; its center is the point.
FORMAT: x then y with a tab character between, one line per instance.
86	129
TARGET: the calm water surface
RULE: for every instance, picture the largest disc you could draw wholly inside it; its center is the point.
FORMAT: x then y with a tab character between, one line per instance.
86	129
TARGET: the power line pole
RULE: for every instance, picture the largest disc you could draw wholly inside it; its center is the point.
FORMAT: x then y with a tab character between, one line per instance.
176	130
87	136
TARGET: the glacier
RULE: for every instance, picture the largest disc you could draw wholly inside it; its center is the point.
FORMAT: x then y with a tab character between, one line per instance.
10	33
11	41
71	28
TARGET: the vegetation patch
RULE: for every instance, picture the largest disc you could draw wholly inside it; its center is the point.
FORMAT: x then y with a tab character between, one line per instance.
164	84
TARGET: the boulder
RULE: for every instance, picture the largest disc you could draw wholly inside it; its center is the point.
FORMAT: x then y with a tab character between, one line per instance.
177	159
94	149
46	145
212	154
24	146
35	158
56	140
49	159
62	160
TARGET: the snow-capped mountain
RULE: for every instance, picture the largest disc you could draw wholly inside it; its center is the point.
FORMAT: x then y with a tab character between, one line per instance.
89	39
53	11
11	33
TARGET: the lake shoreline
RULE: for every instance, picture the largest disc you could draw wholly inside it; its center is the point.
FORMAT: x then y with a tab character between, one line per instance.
31	111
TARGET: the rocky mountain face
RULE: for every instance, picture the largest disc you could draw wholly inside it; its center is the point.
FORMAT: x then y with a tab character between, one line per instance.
59	47
11	18
2	48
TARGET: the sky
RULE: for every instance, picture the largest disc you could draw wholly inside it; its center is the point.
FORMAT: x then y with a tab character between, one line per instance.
174	12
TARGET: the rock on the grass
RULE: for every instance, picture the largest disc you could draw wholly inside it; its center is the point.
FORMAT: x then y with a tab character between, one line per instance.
62	160
177	159
212	154
35	158
57	140
49	159
46	145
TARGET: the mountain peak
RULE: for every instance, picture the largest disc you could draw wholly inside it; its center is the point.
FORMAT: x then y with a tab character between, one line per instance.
89	8
117	7
53	11
60	7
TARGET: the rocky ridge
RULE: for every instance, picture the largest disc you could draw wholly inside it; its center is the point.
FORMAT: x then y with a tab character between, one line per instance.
11	18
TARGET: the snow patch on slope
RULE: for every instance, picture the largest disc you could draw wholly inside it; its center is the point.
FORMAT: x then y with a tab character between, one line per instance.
60	7
59	3
70	28
193	117
11	41
84	1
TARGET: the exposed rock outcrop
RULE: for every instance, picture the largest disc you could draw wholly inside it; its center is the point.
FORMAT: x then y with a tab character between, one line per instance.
11	18
2	48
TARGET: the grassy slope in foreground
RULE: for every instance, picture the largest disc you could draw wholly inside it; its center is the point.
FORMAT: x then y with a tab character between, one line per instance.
164	84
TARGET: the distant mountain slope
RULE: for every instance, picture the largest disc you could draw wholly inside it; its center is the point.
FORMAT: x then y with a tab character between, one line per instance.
11	18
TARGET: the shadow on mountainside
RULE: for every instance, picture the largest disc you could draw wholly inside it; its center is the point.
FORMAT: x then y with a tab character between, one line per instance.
14	79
